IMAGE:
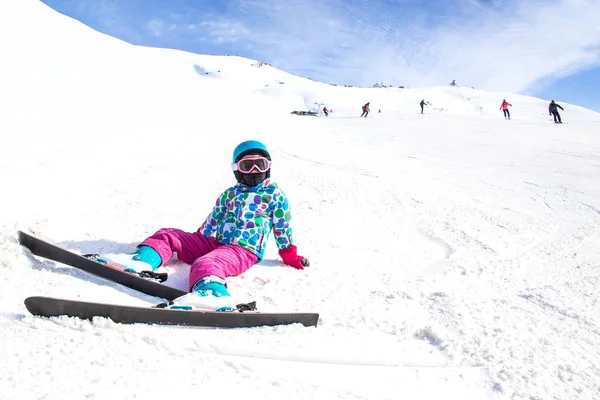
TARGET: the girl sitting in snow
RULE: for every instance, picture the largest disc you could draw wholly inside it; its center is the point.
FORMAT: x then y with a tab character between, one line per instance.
232	239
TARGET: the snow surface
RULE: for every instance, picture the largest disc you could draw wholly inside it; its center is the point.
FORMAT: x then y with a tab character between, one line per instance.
455	255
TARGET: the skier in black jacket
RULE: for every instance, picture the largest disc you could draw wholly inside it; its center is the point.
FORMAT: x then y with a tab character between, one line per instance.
553	110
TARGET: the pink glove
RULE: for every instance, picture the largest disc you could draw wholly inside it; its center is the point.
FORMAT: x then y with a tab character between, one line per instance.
290	257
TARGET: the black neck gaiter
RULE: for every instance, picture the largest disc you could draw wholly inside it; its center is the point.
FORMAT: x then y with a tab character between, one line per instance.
250	180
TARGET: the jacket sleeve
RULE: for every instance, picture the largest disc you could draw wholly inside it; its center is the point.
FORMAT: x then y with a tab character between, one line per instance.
281	219
560	107
216	216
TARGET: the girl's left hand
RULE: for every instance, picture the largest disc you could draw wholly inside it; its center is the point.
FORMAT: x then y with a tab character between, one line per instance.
290	257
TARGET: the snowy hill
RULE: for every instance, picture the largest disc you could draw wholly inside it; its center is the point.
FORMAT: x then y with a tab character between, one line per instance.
454	254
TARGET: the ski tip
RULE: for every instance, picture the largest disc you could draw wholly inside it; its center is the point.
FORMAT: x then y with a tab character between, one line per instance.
21	236
31	303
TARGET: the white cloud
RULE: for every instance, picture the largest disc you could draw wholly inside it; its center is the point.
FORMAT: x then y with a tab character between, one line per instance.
500	49
225	31
155	27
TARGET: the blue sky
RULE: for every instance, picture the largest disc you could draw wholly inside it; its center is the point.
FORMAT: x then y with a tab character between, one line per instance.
549	49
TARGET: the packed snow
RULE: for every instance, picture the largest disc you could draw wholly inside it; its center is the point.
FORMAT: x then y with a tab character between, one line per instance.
454	254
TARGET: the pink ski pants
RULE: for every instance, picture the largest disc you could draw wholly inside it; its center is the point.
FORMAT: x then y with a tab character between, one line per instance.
207	256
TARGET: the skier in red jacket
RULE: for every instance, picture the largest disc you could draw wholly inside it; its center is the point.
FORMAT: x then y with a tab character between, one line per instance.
504	107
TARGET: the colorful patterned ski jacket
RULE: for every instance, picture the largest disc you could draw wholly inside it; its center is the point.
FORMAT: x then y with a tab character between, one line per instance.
245	216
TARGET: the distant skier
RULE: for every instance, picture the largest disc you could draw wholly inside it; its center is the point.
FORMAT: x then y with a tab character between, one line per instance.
233	237
453	83
365	109
504	107
423	103
553	110
325	111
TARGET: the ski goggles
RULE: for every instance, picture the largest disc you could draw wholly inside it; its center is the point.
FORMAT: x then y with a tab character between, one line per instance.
245	165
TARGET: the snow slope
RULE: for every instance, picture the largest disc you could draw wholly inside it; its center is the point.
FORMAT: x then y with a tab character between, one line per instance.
454	254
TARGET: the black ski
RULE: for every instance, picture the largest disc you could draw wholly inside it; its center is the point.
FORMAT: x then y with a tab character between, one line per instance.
52	307
50	251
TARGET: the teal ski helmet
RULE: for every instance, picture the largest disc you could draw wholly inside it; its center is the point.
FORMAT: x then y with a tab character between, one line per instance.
248	147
